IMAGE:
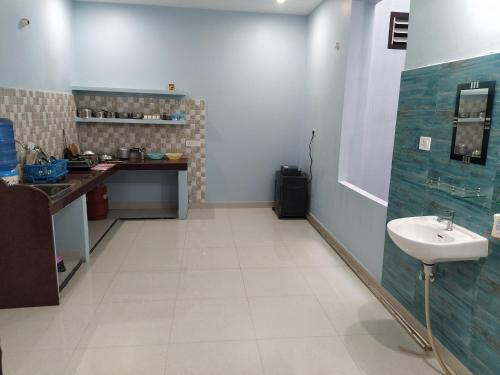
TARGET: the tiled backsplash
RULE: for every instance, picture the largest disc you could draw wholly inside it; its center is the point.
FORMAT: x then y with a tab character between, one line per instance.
40	117
465	296
106	137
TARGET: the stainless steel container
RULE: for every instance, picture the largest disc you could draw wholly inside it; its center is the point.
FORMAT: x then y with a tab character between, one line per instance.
123	153
135	153
85	113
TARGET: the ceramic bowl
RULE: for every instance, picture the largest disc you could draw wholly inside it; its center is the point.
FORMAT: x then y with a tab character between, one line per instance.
174	155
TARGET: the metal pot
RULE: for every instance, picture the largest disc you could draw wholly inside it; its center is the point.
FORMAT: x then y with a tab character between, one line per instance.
123	115
135	153
85	113
100	114
123	153
91	155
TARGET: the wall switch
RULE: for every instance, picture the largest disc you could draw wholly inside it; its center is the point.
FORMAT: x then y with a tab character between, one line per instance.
495	231
425	143
193	143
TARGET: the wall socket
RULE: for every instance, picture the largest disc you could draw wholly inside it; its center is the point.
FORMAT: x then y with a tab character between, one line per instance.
425	143
193	143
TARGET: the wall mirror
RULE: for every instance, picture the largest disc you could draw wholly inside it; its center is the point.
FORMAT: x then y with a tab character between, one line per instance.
471	125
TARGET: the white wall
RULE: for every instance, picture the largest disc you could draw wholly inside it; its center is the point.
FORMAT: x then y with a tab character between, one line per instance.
354	220
37	56
449	30
372	93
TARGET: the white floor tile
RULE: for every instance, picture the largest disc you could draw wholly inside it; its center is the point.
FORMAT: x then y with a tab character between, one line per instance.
279	317
311	356
152	256
257	238
160	239
392	353
211	283
132	360
228	291
266	282
129	324
265	257
211	258
41	362
313	252
143	286
214	225
212	320
351	317
214	358
338	280
196	240
86	288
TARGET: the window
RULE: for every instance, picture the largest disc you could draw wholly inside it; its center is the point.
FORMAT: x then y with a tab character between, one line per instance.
398	30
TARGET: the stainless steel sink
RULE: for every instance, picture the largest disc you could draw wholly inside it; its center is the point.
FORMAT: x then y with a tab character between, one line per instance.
52	190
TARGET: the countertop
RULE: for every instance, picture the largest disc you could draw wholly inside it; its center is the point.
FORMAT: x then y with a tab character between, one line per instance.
84	181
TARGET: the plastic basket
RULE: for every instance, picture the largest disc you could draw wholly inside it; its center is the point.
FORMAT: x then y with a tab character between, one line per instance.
46	173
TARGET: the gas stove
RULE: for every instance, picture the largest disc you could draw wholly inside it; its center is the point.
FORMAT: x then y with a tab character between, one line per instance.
80	163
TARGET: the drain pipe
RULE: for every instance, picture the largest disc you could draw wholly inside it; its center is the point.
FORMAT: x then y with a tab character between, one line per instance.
428	278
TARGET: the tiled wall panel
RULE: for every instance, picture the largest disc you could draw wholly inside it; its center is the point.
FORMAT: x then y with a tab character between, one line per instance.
105	137
466	295
40	117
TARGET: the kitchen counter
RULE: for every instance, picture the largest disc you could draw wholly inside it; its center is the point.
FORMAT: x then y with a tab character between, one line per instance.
84	181
35	229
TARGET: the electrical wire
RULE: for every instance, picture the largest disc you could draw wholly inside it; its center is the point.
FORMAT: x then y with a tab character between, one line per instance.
310	156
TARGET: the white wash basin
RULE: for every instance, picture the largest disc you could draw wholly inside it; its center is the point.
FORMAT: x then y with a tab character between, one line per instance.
424	238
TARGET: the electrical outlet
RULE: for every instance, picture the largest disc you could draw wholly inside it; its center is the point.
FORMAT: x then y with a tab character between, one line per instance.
193	143
425	143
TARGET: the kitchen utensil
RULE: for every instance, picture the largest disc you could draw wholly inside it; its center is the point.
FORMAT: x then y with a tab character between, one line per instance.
123	153
100	114
135	153
66	151
174	155
74	149
123	115
155	155
105	157
85	113
110	114
91	155
137	115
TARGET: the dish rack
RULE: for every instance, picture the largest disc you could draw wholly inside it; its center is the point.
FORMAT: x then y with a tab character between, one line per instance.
46	173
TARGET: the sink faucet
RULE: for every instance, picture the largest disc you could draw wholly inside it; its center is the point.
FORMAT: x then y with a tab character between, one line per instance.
449	217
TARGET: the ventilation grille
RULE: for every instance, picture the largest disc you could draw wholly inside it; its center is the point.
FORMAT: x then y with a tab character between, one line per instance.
398	30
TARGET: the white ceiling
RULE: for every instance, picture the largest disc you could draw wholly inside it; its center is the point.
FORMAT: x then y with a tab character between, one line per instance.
301	7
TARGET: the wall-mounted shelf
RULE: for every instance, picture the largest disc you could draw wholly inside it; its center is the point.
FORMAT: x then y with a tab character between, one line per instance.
456	191
80	120
115	90
471	120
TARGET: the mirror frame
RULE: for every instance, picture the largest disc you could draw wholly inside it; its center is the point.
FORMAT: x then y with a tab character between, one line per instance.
490	85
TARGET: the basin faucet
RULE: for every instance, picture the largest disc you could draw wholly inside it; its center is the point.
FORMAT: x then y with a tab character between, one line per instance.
448	216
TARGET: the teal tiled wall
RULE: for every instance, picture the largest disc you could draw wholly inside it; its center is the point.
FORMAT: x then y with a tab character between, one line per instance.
466	296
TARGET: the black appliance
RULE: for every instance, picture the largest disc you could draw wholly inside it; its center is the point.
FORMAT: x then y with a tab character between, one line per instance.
81	163
290	170
290	194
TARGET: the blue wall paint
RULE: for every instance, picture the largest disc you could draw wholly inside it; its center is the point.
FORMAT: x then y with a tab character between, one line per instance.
136	187
249	67
466	299
355	221
39	55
